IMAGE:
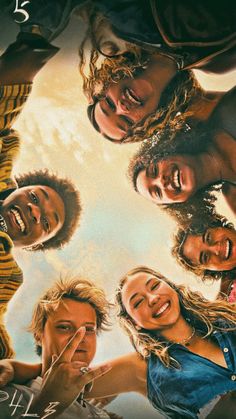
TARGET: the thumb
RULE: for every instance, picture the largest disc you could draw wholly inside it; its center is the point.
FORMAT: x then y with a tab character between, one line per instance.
54	358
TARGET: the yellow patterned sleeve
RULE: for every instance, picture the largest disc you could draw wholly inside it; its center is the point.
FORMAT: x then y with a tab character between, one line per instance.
12	100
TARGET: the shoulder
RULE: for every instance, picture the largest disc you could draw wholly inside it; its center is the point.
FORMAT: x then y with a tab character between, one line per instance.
9	401
223	116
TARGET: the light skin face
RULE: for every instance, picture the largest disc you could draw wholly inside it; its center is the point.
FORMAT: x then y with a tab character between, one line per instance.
151	302
214	250
174	179
131	100
61	326
33	214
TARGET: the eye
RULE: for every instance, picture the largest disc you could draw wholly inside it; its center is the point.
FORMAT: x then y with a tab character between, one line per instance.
64	327
158	193
46	225
204	258
90	330
34	197
128	121
154	286
110	103
207	237
152	171
138	302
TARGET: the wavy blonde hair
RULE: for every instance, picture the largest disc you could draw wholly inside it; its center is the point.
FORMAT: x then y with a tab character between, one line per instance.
202	314
174	100
78	289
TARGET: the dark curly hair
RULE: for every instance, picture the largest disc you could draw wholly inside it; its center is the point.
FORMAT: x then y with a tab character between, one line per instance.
70	197
198	226
170	142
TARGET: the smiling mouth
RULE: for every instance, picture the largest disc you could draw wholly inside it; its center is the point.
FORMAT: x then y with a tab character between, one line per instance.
228	249
175	182
131	96
18	219
161	310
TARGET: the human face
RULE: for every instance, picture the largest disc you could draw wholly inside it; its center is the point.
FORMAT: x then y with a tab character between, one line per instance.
168	181
151	302
33	214
214	250
125	104
62	324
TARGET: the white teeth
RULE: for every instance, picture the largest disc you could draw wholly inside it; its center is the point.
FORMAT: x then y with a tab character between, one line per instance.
131	98
19	220
176	179
227	249
162	309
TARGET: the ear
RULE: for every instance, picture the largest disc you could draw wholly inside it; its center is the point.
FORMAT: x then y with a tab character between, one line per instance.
137	327
34	247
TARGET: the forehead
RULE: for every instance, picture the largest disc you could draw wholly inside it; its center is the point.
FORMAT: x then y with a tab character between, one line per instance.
191	247
139	281
143	182
74	311
108	122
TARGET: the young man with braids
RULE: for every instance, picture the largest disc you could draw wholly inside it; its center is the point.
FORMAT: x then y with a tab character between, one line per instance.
38	210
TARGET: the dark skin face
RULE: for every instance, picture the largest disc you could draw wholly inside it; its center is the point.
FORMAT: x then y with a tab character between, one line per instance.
132	99
33	214
173	179
214	250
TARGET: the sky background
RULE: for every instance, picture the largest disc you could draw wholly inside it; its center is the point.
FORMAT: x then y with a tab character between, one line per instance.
119	229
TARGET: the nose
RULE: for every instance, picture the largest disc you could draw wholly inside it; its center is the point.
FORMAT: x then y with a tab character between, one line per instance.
122	108
215	249
152	299
35	212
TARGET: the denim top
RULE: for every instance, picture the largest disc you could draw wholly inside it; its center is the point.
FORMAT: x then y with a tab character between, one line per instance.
181	393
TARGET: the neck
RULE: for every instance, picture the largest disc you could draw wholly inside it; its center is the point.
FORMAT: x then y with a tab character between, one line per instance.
203	104
178	332
208	168
160	71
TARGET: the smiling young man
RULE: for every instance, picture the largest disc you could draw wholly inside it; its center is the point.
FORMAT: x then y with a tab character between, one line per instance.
38	210
65	324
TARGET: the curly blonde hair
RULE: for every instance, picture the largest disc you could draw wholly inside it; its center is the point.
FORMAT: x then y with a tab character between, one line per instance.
204	315
174	100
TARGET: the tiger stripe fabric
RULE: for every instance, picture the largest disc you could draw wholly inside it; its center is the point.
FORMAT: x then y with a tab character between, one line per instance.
12	100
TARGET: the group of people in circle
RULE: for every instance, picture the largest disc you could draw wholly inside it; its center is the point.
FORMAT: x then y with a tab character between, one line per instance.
140	88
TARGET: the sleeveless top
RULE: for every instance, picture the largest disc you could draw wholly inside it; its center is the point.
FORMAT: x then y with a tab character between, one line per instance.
181	393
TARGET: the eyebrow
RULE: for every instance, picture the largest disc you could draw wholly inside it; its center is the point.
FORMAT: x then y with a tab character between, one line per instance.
44	193
56	216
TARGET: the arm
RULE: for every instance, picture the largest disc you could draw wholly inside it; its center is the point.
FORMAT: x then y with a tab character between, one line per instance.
17	372
128	373
18	66
229	192
24	58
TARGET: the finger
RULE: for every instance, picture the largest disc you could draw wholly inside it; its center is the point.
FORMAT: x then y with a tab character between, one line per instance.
5	378
94	373
78	364
89	386
68	351
54	358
